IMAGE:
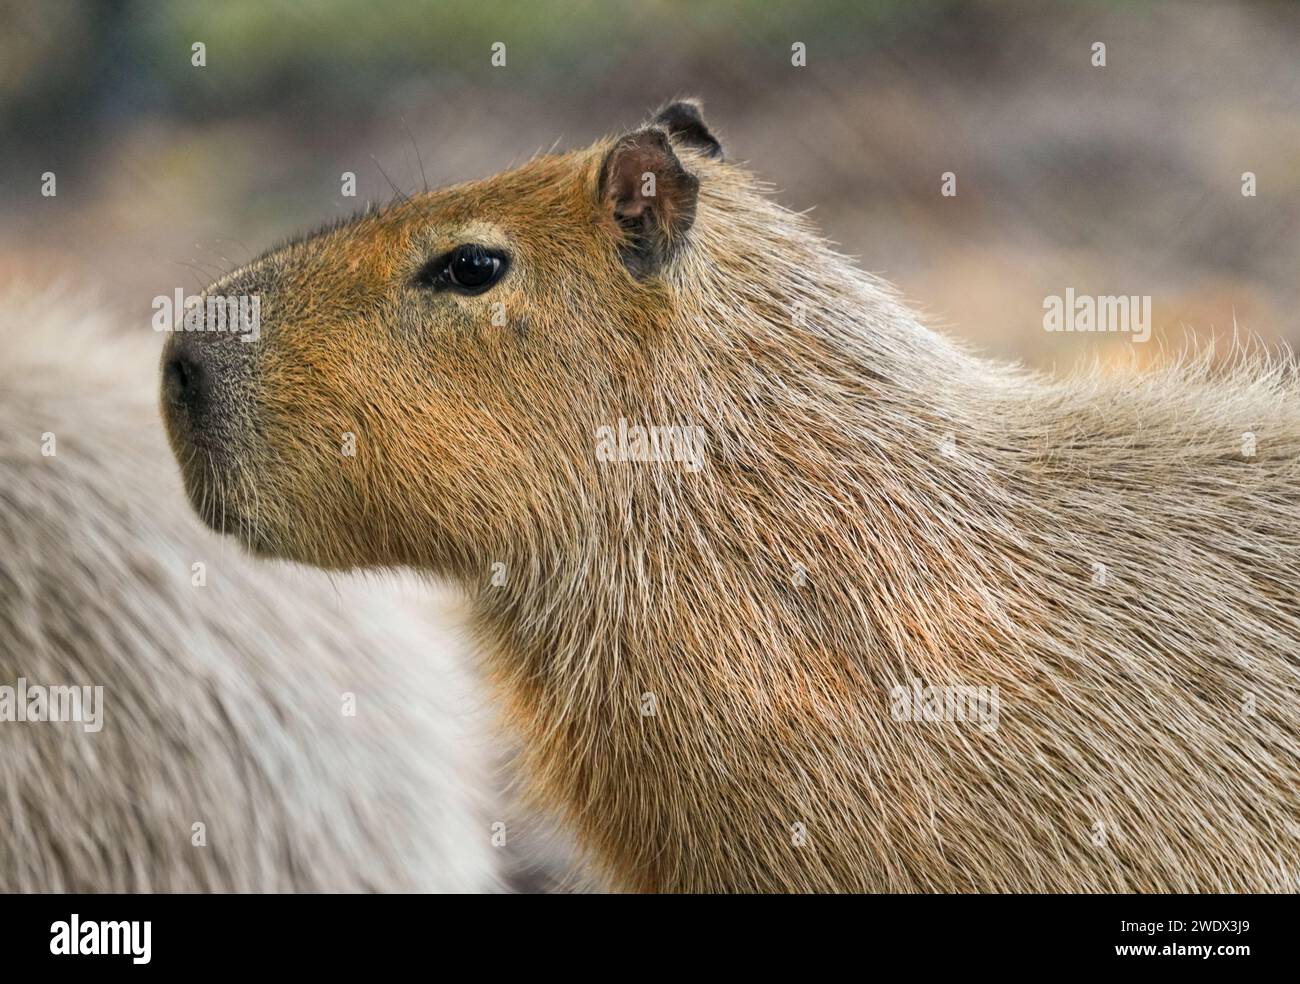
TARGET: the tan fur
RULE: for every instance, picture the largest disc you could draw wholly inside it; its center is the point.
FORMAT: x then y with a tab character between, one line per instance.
223	704
949	512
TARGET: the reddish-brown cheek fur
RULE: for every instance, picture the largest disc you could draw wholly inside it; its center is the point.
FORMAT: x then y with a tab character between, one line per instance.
454	416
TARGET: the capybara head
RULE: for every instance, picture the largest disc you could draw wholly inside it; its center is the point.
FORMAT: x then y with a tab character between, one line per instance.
427	384
424	381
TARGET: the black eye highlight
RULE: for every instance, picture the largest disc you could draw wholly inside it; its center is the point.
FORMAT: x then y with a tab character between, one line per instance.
467	269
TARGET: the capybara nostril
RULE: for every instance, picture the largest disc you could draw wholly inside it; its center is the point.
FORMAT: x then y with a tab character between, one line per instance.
185	379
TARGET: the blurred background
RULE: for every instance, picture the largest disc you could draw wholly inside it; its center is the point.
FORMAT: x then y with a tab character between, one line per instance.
1123	179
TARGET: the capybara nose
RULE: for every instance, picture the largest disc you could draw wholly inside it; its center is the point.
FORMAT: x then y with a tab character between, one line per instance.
187	382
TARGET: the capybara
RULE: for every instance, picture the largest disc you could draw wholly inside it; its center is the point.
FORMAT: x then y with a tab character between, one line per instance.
782	590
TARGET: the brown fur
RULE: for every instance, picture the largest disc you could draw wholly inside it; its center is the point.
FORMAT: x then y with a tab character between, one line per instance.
949	512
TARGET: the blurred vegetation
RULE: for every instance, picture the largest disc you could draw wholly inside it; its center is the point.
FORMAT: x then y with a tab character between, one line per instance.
75	62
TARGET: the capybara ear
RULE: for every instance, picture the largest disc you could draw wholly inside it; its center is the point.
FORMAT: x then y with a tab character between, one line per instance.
651	197
684	121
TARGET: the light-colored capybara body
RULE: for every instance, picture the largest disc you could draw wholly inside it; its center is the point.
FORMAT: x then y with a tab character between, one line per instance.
226	756
890	616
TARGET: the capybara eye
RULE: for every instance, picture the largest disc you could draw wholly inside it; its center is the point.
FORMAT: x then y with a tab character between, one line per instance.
472	268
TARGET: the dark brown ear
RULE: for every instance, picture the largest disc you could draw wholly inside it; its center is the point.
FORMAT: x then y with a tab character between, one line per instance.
685	124
651	197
